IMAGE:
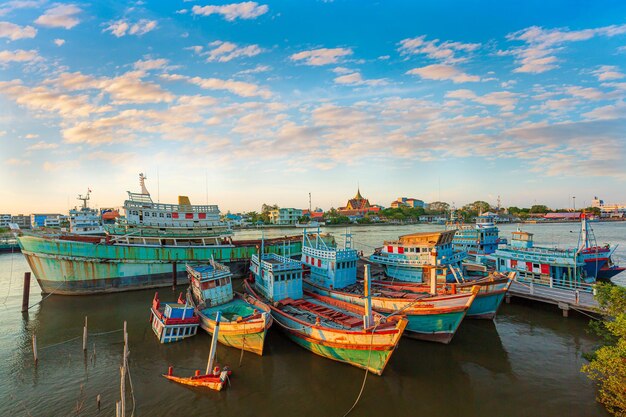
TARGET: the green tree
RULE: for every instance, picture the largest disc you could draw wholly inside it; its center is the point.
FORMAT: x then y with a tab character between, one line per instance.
607	366
539	209
438	207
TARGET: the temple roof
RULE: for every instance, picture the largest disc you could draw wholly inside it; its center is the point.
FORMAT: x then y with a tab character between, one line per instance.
358	195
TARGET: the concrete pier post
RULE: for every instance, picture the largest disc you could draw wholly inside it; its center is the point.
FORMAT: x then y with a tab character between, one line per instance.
173	274
26	292
85	336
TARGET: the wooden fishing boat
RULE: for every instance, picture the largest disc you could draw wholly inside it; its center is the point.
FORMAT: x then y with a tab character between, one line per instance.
172	322
214	378
491	292
211	381
330	328
245	320
333	274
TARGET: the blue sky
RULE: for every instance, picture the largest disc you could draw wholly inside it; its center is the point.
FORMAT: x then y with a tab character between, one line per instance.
268	101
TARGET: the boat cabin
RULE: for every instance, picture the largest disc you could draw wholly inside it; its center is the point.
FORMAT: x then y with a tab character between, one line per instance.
522	239
211	283
428	248
277	277
331	266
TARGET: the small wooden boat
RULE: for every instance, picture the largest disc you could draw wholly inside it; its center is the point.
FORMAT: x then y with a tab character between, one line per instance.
215	381
172	322
245	320
213	378
330	328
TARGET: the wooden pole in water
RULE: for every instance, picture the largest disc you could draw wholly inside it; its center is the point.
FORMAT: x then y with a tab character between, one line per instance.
174	274
26	292
85	336
118	413
367	318
122	402
35	348
98	401
212	352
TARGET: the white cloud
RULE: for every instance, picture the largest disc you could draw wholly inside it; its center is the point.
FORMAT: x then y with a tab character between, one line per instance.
31	136
255	70
17	161
41	145
123	27
19	55
15	32
608	73
443	72
61	16
322	56
538	55
355	79
435	49
506	100
10	6
239	88
230	12
226	51
59	42
150	64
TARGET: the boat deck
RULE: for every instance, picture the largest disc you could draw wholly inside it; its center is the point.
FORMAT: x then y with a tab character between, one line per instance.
232	310
310	310
388	292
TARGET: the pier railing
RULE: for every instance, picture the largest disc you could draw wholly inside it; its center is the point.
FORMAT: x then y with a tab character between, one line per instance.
576	295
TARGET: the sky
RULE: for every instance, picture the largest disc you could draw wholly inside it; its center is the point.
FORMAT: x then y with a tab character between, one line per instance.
240	104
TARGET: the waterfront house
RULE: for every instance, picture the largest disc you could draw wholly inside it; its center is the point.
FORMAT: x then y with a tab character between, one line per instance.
285	216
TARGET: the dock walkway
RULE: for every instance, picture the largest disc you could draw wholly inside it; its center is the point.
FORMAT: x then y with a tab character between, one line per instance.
566	299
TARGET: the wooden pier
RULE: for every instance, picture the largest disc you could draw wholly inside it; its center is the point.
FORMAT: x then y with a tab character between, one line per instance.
579	299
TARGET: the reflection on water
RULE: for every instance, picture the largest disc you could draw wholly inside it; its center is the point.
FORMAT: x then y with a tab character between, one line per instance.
525	363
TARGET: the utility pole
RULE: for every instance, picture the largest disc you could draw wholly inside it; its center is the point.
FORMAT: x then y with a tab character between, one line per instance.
574	199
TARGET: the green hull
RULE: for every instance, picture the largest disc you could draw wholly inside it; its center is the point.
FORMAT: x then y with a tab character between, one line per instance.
77	268
374	360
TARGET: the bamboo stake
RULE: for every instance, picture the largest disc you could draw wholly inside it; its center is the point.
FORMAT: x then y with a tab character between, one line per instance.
213	350
85	336
26	292
98	401
35	347
122	402
118	412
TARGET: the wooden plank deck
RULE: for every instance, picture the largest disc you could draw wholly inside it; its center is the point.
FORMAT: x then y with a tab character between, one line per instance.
565	299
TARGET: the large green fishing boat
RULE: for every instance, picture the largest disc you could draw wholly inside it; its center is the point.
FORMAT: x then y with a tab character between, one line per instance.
148	248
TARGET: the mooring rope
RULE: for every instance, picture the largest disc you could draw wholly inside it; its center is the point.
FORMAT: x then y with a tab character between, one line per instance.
79	337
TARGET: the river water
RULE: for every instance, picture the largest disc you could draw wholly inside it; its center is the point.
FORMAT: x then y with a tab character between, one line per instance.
525	363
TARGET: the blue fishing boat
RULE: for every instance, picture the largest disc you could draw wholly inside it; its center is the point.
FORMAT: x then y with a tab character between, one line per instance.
477	240
598	259
542	265
333	273
327	327
244	321
411	257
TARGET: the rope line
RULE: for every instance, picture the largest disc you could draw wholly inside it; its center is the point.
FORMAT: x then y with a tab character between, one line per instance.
79	337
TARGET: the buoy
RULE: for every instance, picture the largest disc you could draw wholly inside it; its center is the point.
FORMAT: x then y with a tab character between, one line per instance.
197	372
170	371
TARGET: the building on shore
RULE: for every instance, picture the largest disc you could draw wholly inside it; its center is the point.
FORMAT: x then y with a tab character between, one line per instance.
563	216
285	216
609	210
407	202
358	207
46	220
22	220
317	214
5	219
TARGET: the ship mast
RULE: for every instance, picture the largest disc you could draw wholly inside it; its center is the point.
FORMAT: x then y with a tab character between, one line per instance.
84	199
142	184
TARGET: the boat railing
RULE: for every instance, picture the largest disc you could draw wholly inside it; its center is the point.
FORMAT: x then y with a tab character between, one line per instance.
172	207
219	271
280	263
551	283
339	255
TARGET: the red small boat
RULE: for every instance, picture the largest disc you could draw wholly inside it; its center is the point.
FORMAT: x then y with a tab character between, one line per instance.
214	380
